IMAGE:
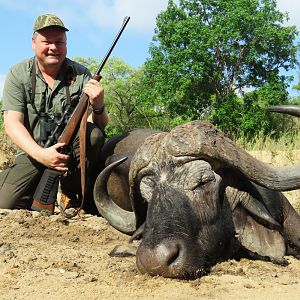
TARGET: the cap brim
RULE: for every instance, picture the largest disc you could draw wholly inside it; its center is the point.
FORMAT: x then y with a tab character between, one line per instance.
61	27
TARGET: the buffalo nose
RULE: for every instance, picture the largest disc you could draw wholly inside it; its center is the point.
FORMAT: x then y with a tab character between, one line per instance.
164	259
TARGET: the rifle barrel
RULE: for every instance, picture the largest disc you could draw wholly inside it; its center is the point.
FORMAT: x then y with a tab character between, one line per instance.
126	20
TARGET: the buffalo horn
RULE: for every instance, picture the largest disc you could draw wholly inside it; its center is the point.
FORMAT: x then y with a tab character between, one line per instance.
204	141
293	110
117	217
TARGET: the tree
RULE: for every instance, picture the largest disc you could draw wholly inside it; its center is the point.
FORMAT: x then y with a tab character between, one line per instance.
122	92
90	63
297	86
123	88
247	116
205	51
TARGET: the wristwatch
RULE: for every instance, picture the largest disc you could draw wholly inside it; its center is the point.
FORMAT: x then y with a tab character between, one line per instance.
99	111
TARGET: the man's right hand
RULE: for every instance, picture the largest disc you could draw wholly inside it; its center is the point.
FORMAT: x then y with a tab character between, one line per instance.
52	158
49	157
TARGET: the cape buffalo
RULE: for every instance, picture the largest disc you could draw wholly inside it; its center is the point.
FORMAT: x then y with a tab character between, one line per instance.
199	199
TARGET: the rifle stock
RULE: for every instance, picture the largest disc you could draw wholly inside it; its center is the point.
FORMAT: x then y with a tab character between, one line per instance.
46	192
74	121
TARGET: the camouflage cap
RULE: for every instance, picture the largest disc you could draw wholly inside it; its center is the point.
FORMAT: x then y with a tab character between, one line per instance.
48	20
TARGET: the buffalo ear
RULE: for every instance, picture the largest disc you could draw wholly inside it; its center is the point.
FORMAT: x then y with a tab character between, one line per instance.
258	241
256	230
236	198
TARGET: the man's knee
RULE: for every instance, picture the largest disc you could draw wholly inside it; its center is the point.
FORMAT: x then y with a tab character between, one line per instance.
17	183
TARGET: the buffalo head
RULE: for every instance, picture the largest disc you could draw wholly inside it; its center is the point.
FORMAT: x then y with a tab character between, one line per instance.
201	199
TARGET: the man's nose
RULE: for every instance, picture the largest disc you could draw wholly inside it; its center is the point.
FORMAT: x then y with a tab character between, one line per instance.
52	46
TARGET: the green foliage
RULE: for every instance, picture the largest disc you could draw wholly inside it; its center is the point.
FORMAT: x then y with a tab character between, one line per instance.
131	104
127	99
204	52
297	86
247	116
90	63
123	88
295	100
229	115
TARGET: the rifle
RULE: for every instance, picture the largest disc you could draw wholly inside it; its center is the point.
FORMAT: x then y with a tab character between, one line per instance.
46	192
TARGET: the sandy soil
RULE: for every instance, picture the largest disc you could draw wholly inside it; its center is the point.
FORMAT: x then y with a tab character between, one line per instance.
53	258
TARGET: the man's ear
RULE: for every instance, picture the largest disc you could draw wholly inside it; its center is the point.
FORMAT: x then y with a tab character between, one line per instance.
33	40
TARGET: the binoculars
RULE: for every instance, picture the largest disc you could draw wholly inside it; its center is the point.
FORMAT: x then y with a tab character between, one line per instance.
48	125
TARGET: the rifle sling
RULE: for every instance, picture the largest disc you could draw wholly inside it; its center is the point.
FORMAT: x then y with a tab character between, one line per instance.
82	144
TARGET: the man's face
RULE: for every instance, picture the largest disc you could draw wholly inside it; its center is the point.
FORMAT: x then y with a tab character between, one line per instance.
50	46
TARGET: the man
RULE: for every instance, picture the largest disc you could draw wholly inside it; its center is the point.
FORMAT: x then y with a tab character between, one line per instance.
47	85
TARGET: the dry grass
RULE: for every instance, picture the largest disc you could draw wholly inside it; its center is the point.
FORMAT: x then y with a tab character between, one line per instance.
279	159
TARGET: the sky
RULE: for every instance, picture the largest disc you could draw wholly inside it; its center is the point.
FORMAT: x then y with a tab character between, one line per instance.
93	26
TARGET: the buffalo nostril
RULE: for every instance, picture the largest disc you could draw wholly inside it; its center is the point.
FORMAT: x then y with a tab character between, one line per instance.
160	260
173	255
166	254
169	258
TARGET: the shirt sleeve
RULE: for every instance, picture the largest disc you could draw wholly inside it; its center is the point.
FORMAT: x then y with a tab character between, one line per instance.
14	96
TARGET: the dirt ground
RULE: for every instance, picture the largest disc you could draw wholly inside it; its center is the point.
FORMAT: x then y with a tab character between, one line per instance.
45	257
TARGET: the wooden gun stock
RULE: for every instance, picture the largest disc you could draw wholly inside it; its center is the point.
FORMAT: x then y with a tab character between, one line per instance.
74	121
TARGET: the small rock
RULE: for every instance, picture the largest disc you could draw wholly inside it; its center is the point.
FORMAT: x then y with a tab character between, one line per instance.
90	278
4	248
74	239
71	275
123	250
59	219
35	214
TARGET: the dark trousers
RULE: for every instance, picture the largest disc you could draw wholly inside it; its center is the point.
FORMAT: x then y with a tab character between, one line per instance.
19	181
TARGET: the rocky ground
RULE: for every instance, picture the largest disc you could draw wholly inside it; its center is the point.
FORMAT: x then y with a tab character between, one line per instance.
44	257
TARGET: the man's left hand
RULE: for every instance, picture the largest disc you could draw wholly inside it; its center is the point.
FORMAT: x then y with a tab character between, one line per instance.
95	92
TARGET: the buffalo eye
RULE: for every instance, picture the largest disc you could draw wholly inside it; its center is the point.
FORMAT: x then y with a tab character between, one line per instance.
203	182
197	174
